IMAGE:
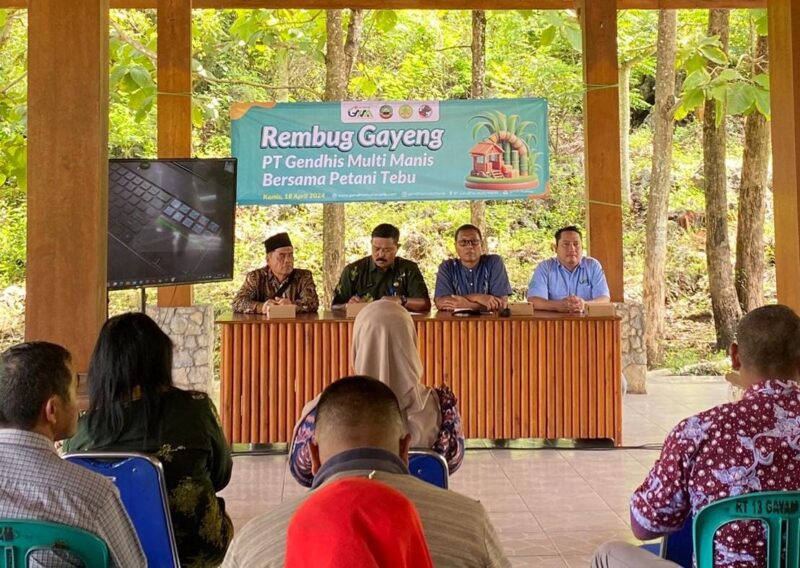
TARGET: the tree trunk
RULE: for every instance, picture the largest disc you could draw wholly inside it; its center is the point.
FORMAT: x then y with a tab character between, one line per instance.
340	58
661	182
724	302
282	74
478	207
625	127
752	191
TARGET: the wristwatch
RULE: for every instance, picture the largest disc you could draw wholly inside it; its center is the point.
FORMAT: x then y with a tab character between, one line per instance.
403	301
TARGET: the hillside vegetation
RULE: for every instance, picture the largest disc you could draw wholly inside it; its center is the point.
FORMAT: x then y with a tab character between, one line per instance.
279	55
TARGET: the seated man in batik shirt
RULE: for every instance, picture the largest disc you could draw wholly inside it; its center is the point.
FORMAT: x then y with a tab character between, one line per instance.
473	280
732	449
278	283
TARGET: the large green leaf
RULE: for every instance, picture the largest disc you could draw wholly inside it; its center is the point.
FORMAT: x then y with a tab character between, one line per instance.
696	79
140	76
760	21
763	102
693	99
728	75
714	54
719	93
741	98
573	36
762	80
547	36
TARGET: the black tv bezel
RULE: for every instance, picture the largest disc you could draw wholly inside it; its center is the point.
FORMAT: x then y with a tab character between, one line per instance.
190	281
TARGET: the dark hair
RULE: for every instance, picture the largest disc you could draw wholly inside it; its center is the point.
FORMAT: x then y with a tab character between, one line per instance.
769	341
132	351
386	231
568	229
358	404
468	227
31	373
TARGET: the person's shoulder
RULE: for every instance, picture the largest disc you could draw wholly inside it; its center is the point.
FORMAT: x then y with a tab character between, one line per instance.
448	264
358	263
257	273
90	486
303	273
493	259
424	494
406	263
272	522
591	262
548	263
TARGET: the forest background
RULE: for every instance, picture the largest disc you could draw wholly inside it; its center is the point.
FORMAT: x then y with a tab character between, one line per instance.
256	55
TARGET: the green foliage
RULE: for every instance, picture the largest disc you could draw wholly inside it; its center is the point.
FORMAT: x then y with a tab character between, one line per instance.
257	55
733	87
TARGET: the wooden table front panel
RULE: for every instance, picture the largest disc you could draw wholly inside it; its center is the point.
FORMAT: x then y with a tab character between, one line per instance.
514	378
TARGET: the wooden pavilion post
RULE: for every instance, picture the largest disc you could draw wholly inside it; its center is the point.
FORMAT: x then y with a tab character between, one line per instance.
601	138
174	103
67	174
784	55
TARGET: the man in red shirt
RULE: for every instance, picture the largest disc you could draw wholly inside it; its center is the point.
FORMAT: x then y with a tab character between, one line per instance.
732	449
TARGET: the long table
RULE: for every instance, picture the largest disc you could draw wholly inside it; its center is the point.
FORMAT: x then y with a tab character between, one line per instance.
543	376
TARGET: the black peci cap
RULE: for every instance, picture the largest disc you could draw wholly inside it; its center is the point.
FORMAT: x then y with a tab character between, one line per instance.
277	241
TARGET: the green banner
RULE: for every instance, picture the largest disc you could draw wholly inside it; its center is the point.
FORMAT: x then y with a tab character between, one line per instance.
390	151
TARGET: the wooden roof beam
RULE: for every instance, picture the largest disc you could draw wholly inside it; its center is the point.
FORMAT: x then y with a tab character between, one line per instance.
427	4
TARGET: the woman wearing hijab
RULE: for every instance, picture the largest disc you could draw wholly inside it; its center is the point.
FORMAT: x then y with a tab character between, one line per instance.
356	523
385	347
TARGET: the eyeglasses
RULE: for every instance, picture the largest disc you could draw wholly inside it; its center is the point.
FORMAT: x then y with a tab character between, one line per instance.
469	243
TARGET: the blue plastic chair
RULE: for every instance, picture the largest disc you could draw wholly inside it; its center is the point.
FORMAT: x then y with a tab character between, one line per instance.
140	480
428	466
21	539
779	511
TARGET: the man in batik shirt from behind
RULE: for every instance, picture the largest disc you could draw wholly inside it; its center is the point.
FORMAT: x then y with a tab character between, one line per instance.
732	449
278	283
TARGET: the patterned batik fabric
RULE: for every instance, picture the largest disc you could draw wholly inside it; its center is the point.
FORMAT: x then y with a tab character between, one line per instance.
732	449
449	442
262	285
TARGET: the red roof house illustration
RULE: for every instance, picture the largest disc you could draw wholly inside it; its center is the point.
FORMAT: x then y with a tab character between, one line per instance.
487	158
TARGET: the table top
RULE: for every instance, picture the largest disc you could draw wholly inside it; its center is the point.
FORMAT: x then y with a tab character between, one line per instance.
341	316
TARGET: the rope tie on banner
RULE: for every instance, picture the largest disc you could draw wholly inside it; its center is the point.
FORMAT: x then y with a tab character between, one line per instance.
168	94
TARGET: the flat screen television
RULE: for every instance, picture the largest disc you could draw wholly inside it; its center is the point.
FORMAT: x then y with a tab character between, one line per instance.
170	221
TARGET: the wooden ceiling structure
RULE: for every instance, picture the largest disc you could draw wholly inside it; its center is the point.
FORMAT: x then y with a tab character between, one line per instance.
68	139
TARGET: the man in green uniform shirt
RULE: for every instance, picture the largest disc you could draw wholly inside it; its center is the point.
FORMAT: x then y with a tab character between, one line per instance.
384	275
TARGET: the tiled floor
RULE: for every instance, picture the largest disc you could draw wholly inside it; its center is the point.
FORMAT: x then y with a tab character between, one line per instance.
550	507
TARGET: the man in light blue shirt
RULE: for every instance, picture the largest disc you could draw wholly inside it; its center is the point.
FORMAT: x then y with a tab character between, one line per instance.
569	281
473	280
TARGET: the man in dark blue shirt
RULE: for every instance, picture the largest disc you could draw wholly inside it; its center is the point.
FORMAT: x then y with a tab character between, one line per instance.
473	280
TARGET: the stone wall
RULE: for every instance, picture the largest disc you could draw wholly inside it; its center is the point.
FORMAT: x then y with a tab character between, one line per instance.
192	331
634	355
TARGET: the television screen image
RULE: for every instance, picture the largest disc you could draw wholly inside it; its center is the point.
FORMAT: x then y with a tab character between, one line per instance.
170	221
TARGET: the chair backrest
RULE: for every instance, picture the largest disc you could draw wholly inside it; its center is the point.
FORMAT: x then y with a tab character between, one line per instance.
428	466
140	480
778	510
20	539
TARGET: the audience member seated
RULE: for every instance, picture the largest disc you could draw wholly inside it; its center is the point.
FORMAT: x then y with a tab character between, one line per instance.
38	405
133	407
385	348
357	523
732	449
360	433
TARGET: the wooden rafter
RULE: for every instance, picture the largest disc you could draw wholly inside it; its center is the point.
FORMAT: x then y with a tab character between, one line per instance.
428	4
